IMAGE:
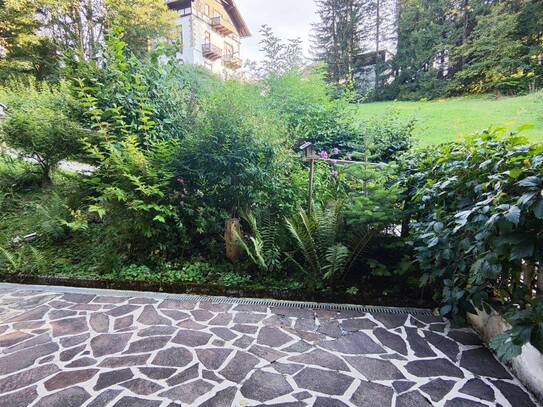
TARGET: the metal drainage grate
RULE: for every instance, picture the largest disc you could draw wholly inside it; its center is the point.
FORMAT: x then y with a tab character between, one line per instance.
224	300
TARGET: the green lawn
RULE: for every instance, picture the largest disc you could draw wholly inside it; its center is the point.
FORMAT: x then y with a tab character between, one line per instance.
450	119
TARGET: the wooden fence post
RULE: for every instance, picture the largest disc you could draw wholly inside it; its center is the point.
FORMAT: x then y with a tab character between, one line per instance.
232	227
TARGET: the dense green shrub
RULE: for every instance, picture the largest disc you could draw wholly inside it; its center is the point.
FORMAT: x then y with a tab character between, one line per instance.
477	209
233	159
39	126
308	111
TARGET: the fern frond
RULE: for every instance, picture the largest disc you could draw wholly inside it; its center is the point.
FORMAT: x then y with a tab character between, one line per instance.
10	257
336	258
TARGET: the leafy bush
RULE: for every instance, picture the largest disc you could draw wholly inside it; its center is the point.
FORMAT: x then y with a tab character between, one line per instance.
478	214
326	253
39	125
308	112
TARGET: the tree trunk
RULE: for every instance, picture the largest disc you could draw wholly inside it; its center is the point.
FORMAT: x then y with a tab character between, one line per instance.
377	43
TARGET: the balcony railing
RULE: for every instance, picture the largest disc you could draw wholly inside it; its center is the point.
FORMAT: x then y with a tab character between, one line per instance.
211	51
232	61
221	25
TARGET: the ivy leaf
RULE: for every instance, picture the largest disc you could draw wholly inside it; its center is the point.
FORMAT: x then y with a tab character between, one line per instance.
531	182
538	209
513	214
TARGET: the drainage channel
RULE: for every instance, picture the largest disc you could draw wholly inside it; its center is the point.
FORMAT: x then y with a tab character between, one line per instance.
220	300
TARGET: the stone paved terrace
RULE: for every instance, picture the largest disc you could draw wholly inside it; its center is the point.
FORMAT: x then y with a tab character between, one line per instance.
108	349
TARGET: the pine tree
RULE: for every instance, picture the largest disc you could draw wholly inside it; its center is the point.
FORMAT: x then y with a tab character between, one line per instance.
338	38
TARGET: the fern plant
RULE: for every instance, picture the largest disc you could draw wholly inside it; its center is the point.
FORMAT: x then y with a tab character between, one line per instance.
326	256
262	245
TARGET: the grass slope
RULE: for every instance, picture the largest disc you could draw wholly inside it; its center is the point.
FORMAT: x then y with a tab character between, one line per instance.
451	119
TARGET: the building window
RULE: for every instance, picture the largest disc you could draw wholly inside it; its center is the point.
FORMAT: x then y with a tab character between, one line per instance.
206	9
207	38
208	65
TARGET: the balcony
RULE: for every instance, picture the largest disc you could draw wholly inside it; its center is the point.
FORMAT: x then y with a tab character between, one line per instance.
222	26
211	51
232	61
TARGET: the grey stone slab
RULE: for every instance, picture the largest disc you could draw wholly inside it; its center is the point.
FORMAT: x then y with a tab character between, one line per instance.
108	379
78	298
26	378
321	358
129	401
248	318
375	369
433	368
142	387
123	323
186	375
108	344
514	394
191	338
13	338
462	402
465	337
148	344
157	373
224	333
372	394
264	352
223	398
478	388
104	398
150	316
323	381
173	357
358	324
122	310
391	321
99	322
437	389
412	399
213	358
328	402
356	343
418	344
263	386
124	361
69	354
69	326
446	345
482	363
21	398
160	330
239	367
68	378
25	358
188	392
71	397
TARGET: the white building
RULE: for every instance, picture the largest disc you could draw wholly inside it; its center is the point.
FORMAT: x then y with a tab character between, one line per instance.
211	31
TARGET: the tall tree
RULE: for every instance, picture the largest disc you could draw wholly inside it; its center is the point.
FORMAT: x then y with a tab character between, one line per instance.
338	38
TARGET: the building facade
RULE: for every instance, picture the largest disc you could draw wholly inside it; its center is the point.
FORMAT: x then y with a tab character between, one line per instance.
211	33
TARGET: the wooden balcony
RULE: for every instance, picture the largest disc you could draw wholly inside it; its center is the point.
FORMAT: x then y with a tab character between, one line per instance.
232	61
222	26
211	51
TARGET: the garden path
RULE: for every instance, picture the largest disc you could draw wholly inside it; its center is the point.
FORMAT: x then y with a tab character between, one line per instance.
69	347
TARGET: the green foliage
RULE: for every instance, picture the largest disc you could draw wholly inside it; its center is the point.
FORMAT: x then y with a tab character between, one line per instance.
39	124
527	328
472	47
325	254
478	211
262	245
304	105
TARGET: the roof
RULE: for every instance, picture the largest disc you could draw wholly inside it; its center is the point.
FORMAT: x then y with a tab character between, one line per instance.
237	19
